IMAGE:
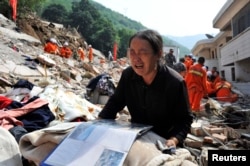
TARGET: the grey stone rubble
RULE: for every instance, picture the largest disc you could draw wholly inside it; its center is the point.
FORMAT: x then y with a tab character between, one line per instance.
16	48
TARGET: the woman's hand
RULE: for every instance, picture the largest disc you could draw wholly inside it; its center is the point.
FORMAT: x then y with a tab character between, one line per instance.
172	142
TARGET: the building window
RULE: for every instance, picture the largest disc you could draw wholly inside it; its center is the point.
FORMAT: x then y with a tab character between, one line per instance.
241	21
223	73
233	73
241	24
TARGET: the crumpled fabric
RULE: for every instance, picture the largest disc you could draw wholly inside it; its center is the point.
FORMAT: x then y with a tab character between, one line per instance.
9	149
180	158
144	152
67	106
35	146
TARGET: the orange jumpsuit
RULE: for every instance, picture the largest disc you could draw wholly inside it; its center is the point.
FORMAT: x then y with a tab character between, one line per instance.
188	62
65	52
51	48
81	54
90	54
216	80
196	84
210	89
224	92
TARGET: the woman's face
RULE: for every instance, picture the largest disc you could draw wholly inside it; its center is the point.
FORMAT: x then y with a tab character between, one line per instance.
142	57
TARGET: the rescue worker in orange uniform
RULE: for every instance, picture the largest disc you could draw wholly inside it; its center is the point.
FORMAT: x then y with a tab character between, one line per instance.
65	51
188	61
90	54
216	78
210	88
196	83
81	53
51	47
224	92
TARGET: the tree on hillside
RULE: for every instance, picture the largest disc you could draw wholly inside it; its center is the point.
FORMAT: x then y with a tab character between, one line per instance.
5	8
24	6
124	35
55	13
83	17
96	30
105	33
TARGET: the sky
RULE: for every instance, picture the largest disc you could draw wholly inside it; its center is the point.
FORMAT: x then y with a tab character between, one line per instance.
170	17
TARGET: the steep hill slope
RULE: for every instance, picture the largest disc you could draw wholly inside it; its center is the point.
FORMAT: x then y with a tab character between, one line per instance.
120	21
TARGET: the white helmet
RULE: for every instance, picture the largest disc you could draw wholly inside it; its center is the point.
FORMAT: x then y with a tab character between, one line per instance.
66	44
53	40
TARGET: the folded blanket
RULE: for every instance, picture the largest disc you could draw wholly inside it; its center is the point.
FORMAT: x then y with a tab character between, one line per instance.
145	152
9	150
37	145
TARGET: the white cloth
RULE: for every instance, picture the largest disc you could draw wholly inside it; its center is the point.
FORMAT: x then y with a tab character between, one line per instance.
66	105
9	149
145	152
37	145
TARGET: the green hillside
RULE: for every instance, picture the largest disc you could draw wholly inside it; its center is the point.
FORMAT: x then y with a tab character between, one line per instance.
122	25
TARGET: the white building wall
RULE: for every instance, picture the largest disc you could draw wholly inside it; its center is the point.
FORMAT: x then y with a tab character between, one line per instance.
242	71
204	53
228	72
237	49
211	63
209	60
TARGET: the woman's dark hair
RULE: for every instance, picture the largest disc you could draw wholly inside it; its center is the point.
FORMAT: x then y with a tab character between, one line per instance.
152	36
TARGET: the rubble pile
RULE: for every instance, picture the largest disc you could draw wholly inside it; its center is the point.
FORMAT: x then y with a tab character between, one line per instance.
22	56
43	30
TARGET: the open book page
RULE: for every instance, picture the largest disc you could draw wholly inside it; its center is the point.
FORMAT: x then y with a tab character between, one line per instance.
63	127
97	143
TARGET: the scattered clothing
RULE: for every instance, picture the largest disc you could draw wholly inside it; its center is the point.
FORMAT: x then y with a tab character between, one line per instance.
9	149
18	132
4	102
101	85
105	85
26	115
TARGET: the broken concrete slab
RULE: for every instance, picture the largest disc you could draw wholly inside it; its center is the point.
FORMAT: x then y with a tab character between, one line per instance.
26	71
17	35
